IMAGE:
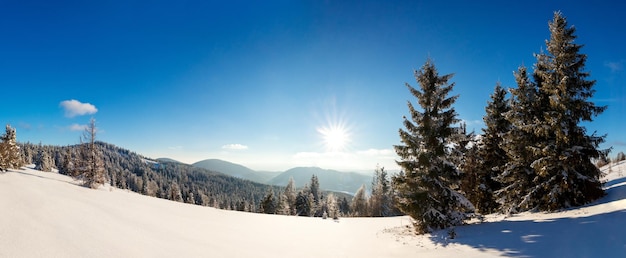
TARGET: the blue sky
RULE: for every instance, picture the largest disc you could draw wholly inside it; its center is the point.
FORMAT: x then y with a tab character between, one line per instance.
260	83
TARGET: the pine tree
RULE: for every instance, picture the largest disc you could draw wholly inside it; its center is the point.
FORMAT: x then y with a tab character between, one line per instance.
566	175
303	204
359	203
426	185
316	207
10	156
283	205
268	204
551	166
344	207
488	160
290	195
517	175
332	207
380	202
315	188
89	165
43	161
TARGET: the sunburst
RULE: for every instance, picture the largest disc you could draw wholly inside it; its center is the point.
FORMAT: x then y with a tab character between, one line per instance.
335	137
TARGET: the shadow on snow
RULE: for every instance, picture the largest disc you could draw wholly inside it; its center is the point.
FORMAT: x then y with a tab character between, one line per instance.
599	235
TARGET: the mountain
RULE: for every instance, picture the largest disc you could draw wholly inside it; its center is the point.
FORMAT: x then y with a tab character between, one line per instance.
331	180
169	160
235	170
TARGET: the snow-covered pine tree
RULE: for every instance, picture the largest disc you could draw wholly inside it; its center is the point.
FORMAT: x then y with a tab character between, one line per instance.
43	162
380	202
89	164
290	195
517	175
565	173
332	207
425	186
490	159
304	202
268	204
359	203
10	156
282	205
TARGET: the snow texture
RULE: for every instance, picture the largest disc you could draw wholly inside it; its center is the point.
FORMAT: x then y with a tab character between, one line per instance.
50	215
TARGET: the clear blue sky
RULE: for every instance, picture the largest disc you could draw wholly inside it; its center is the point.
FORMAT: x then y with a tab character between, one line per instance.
260	83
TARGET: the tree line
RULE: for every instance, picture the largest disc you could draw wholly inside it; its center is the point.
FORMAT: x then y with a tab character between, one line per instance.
532	155
310	201
95	163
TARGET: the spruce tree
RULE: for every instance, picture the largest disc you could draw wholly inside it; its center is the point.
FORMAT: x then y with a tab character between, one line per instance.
380	202
9	150
359	203
290	195
426	185
565	173
517	175
489	158
550	164
43	161
268	204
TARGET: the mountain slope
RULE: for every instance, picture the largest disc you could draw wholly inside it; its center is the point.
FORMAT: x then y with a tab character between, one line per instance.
37	219
330	180
234	170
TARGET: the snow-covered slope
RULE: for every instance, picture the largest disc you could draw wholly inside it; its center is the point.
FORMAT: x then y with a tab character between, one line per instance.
48	215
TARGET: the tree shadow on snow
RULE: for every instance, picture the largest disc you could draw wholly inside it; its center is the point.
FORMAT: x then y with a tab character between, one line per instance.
601	235
615	190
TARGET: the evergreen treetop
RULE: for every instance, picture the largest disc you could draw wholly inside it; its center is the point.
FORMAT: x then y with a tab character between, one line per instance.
426	185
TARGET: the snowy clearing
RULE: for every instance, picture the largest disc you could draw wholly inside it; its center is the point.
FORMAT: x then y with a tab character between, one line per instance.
47	214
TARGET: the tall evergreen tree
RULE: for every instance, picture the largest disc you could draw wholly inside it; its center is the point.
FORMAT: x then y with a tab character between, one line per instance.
90	166
290	195
359	203
426	185
566	175
380	202
10	156
332	206
43	162
488	159
550	154
518	175
268	204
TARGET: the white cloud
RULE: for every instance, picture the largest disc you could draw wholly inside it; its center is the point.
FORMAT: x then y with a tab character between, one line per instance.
615	66
235	146
76	108
77	127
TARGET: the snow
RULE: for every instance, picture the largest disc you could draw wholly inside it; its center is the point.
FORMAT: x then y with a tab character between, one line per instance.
49	215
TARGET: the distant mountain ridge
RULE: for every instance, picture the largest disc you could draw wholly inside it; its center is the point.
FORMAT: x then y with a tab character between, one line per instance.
331	180
235	170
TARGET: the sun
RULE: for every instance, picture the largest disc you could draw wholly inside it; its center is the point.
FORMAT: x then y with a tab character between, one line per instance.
335	137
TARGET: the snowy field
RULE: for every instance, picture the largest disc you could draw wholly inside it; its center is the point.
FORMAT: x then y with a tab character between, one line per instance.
48	215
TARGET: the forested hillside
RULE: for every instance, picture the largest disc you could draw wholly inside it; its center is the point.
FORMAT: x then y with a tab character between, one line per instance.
168	180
